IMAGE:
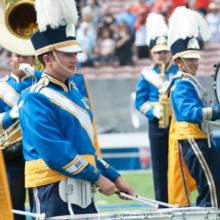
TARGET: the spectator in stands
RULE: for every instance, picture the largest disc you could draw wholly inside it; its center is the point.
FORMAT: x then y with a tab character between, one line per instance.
106	18
201	6
141	10
127	17
163	7
106	48
91	12
86	35
213	19
124	45
176	3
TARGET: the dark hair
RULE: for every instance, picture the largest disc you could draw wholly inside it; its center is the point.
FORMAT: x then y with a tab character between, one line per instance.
40	57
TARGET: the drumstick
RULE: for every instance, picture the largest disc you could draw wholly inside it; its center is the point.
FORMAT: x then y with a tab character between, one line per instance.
158	202
35	215
135	199
149	201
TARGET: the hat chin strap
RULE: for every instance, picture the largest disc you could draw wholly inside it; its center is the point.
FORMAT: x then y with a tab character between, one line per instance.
61	65
188	69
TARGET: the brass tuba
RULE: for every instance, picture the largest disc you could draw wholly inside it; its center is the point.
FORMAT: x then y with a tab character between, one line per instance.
164	100
17	24
10	135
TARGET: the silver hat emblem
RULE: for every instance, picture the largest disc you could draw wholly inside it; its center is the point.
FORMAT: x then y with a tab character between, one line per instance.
193	44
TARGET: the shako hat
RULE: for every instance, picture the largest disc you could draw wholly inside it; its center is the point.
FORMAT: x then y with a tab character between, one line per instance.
186	28
57	22
157	31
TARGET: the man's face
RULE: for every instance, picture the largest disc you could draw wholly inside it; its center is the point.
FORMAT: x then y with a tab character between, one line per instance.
189	65
15	60
161	56
64	67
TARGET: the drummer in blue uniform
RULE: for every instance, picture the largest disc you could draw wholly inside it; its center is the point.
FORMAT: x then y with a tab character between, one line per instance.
191	107
62	167
147	100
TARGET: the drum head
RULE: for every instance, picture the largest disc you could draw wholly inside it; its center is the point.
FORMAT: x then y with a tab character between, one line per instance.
217	83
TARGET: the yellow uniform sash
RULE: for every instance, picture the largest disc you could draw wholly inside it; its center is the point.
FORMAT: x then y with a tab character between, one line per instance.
5	201
37	173
180	182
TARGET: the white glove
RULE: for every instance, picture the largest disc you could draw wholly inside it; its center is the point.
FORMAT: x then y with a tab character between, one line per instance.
158	111
14	112
27	69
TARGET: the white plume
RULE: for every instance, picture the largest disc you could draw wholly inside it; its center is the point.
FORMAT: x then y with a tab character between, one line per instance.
156	26
55	13
185	23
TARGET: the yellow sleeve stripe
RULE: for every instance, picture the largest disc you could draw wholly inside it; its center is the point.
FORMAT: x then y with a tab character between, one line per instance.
72	162
81	168
76	166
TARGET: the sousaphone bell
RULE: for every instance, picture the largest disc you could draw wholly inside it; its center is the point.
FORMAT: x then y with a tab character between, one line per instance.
17	24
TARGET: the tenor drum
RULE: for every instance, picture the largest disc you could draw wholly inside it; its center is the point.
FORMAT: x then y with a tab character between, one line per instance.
193	213
214	126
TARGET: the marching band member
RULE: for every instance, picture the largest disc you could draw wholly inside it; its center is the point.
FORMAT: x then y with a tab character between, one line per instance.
147	100
61	163
191	108
11	87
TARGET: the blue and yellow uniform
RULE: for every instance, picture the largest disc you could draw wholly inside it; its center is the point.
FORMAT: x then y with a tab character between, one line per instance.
190	111
147	97
58	143
10	89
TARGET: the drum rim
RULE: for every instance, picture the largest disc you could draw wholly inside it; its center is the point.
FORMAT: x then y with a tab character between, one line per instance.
215	80
155	213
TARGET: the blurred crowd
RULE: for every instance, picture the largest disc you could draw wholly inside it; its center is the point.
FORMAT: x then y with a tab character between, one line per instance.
118	39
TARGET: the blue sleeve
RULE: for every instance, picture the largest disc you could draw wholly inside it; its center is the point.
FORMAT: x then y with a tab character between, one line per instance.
142	96
186	104
142	90
107	170
7	121
44	133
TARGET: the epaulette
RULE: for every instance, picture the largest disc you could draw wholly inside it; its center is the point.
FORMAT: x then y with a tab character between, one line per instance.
151	77
4	78
43	82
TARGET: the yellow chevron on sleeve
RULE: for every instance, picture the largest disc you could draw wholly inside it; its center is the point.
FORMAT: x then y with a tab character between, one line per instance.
5	200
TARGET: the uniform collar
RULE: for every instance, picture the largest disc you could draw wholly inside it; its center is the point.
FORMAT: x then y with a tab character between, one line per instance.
17	79
57	82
